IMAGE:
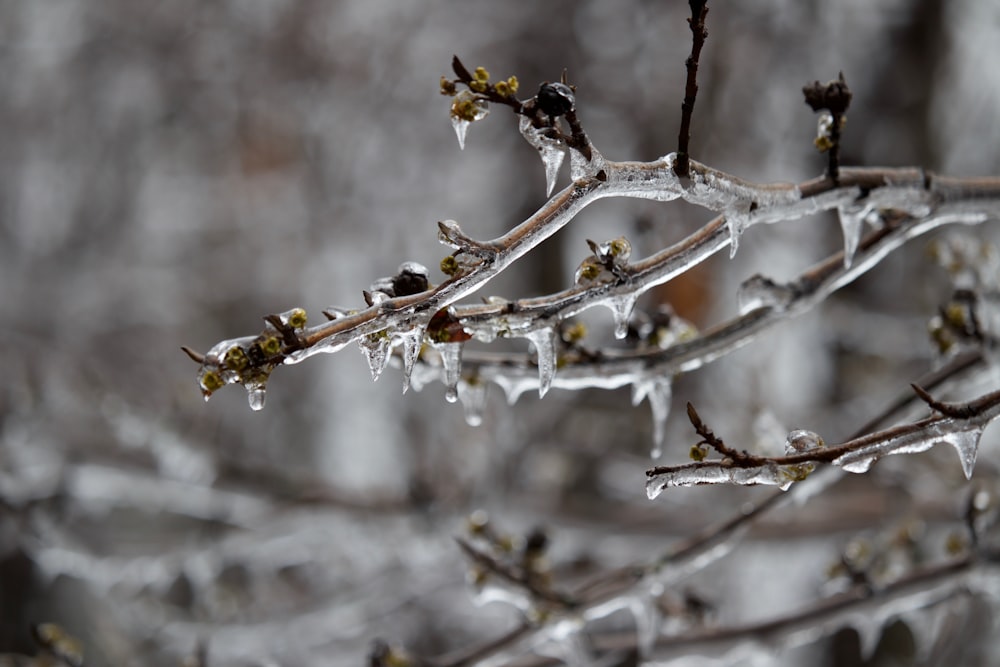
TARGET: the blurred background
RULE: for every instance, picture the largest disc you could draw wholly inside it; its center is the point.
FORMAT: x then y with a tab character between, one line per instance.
172	171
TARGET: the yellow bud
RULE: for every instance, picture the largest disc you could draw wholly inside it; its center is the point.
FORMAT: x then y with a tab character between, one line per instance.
298	318
697	453
502	88
481	74
271	346
235	359
211	381
447	86
449	265
513	84
574	332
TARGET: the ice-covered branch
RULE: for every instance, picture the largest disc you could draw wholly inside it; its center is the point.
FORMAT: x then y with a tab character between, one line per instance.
405	319
959	425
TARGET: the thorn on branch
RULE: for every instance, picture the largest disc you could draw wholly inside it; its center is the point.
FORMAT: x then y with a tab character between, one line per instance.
699	10
832	99
196	357
963	411
740	458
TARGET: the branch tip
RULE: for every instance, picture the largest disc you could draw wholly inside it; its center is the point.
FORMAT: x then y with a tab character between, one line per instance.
197	357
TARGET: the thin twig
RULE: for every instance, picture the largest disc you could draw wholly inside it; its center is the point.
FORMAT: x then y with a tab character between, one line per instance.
699	10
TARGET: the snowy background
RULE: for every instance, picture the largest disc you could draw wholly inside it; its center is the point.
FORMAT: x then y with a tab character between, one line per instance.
172	171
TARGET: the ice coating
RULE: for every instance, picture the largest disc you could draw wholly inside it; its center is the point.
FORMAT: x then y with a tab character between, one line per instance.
580	167
725	472
759	291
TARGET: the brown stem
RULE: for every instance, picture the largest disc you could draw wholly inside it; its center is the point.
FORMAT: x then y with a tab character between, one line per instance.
699	10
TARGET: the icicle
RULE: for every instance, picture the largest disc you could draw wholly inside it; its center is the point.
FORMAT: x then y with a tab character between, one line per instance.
966	443
451	360
758	291
544	340
472	394
657	391
410	341
461	128
851	219
869	633
550	150
737	221
621	307
647	623
376	348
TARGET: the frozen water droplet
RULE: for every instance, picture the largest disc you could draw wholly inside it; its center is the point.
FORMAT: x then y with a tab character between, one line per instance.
758	291
851	219
799	442
451	360
544	340
256	394
465	108
621	308
472	393
461	128
657	391
856	464
550	150
411	342
376	348
966	443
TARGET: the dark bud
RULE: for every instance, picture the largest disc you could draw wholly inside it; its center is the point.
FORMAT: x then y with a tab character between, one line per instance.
536	541
411	279
555	99
378	655
833	96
